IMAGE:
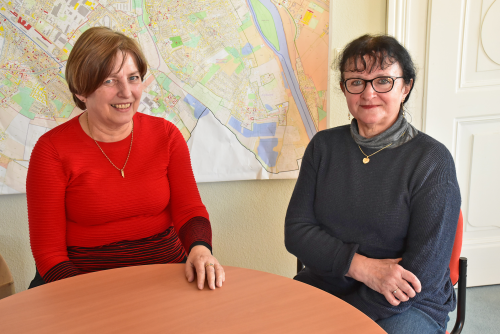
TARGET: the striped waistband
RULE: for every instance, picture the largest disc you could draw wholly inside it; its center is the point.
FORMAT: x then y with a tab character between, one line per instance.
163	247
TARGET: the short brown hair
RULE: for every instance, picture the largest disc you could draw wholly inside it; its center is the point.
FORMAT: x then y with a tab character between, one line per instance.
93	57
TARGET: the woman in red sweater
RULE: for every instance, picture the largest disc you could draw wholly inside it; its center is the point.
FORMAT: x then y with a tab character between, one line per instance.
113	187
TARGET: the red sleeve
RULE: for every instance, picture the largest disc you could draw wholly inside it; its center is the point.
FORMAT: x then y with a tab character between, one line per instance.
189	215
45	193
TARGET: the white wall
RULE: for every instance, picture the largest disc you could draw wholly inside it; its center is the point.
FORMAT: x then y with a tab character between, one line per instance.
349	20
14	239
247	216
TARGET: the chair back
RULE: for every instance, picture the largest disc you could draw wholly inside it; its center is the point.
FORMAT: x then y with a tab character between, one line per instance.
457	249
6	280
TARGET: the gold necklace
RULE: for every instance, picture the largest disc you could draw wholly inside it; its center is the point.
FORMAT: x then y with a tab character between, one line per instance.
367	159
130	149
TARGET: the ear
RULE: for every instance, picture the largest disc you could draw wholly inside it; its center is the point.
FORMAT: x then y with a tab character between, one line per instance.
342	87
81	98
407	89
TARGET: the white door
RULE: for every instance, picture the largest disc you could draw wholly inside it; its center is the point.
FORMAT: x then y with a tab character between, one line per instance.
462	110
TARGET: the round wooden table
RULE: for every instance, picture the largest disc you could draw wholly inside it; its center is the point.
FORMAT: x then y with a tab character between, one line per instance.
158	299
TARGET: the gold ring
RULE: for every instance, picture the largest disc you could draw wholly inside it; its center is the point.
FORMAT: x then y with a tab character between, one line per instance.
395	290
209	264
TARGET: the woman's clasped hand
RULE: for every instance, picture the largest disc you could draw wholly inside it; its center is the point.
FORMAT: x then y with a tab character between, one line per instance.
386	277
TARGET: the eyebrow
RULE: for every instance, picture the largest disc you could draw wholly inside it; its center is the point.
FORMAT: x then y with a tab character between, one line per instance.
379	76
113	75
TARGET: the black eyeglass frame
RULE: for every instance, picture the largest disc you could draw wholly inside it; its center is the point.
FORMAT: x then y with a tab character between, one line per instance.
371	82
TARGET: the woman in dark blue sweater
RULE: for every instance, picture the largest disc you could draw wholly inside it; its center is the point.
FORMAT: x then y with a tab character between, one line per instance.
374	212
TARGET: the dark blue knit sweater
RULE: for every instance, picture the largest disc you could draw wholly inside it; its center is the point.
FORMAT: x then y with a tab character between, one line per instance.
404	203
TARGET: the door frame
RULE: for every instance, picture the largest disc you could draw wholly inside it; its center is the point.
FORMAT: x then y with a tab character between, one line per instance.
404	21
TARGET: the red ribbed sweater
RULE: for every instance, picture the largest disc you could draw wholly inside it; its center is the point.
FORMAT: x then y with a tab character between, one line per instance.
77	198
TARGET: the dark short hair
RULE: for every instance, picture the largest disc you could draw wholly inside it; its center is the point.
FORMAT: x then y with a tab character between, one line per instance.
92	59
383	50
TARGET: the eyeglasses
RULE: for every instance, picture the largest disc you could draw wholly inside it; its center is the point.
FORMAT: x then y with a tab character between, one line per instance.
380	84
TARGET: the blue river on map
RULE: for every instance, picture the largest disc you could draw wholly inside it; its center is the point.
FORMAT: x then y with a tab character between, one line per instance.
286	64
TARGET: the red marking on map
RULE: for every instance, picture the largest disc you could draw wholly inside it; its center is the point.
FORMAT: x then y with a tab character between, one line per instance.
23	23
171	100
43	36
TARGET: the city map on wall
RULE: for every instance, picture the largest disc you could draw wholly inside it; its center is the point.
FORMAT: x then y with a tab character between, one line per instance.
245	81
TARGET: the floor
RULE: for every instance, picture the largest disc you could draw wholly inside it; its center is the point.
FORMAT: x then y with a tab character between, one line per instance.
482	313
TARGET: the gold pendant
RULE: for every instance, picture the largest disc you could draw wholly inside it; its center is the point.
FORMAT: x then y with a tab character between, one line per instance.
366	160
123	173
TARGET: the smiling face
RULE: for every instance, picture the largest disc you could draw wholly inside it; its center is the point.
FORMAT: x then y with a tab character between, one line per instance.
116	101
376	112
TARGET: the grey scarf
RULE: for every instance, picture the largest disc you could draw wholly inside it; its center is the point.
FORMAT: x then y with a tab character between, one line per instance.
398	134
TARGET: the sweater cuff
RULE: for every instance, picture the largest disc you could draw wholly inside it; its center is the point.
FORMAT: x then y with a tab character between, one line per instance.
61	270
196	231
200	243
343	259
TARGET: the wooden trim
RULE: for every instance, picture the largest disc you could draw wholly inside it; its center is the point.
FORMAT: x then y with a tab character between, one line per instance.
426	67
398	20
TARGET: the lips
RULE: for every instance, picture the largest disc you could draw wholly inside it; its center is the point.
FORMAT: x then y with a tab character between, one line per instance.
369	106
121	106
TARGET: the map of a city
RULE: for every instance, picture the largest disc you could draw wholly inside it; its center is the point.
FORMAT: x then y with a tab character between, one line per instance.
245	81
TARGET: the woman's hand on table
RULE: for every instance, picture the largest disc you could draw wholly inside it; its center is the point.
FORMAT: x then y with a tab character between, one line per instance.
201	263
385	276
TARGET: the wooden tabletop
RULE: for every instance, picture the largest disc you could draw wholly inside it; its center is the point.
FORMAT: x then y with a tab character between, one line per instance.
158	299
